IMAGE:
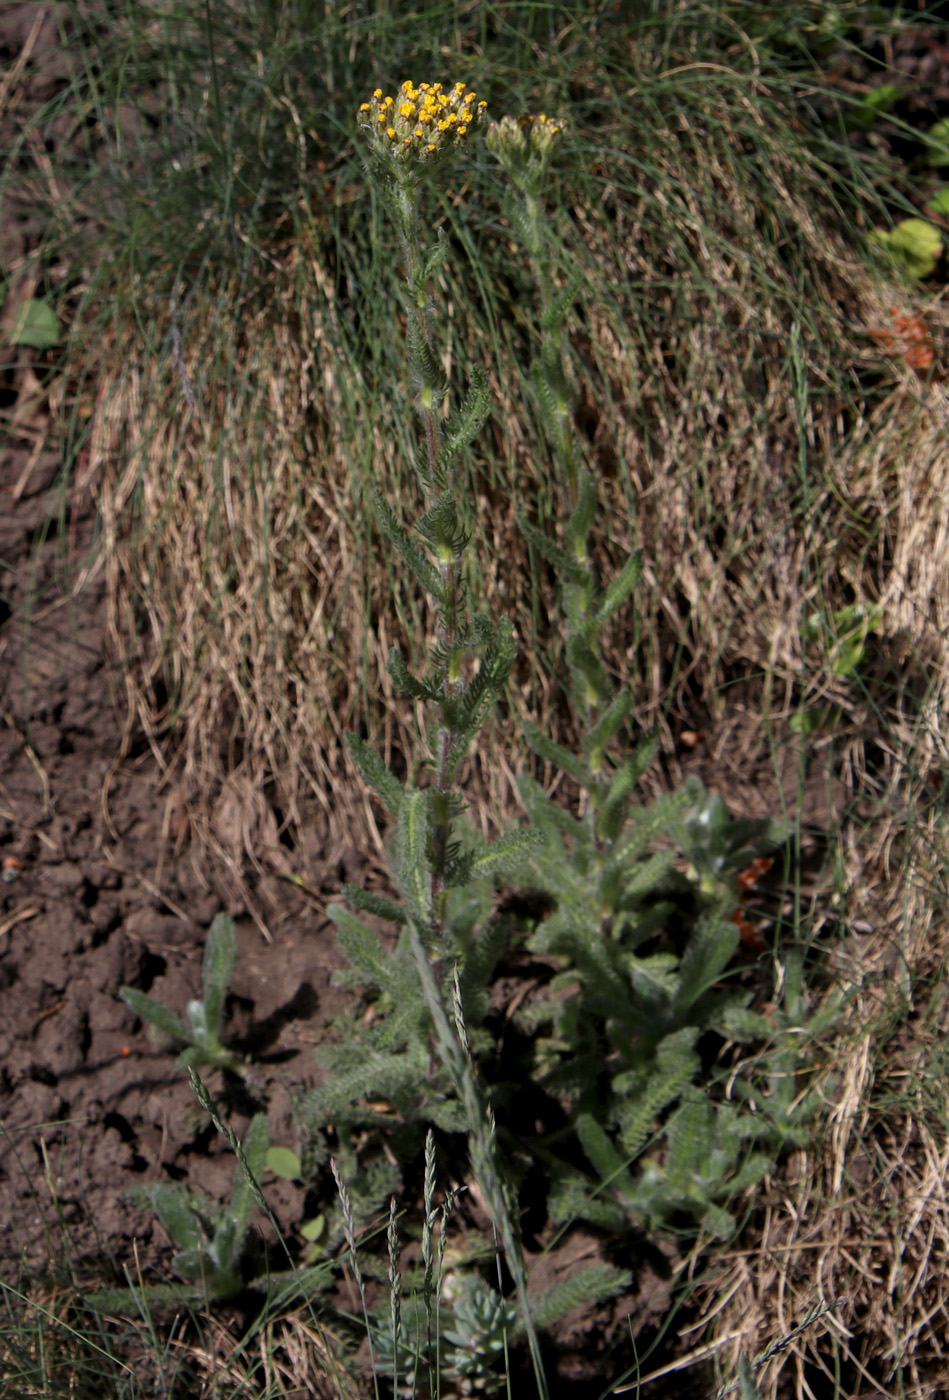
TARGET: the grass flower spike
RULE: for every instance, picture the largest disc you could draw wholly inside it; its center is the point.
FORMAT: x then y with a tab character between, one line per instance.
421	126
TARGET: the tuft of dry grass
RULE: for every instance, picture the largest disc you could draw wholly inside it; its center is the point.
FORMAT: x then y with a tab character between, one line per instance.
762	481
862	1218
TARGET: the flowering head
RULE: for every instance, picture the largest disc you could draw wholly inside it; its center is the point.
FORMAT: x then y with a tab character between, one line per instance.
421	126
524	146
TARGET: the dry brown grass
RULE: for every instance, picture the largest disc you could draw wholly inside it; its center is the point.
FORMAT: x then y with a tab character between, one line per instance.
862	1219
236	538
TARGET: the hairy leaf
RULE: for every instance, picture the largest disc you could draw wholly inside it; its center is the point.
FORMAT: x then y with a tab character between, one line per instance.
411	852
371	903
408	683
155	1014
617	592
507	852
596	739
611	1167
220	955
556	754
565	564
463	427
418	562
383	783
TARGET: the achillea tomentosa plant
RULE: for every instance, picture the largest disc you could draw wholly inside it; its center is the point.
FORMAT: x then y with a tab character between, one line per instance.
644	899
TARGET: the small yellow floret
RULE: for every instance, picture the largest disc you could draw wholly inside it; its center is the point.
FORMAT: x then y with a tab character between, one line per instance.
406	109
377	94
462	131
391	133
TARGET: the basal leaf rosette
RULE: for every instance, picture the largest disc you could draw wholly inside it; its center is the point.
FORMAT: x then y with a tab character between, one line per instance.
421	126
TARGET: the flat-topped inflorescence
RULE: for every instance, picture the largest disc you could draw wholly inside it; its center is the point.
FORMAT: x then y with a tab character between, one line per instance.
524	146
420	125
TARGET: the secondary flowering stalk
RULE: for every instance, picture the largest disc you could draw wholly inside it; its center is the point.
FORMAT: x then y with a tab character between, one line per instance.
525	146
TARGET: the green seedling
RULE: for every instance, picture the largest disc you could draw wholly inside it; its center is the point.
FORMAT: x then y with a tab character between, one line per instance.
211	1237
199	1038
443	1330
937	144
842	637
914	245
872	106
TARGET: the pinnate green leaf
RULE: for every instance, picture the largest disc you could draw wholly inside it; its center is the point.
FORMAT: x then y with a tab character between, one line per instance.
554	753
383	783
616	594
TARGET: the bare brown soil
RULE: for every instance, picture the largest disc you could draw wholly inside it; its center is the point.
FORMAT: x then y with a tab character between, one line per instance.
94	897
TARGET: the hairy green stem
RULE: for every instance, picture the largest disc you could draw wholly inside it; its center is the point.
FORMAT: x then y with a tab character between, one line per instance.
552	338
450	622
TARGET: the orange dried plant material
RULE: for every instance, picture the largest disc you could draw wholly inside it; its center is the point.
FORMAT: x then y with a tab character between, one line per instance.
748	932
747	879
759	867
908	336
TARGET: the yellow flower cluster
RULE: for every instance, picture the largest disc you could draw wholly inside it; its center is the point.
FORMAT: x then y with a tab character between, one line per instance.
525	143
421	123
